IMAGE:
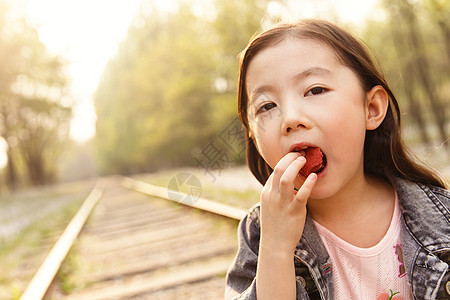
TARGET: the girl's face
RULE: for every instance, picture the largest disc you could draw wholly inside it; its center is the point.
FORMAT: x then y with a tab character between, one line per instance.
300	95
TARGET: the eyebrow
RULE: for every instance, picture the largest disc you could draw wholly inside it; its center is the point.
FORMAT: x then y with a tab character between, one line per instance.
313	71
260	91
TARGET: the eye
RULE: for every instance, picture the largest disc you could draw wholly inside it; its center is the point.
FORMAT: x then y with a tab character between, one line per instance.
266	107
316	91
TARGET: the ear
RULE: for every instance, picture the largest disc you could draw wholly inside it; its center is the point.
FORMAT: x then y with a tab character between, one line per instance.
377	103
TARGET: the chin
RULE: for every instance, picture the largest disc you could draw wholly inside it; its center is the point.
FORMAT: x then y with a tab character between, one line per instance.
319	194
321	190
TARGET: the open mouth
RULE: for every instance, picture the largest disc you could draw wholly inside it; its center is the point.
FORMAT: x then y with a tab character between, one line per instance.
316	160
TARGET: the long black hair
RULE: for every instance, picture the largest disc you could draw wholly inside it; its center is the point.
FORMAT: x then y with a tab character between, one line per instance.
385	154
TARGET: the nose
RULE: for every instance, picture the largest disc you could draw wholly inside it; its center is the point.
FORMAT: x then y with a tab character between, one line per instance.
294	118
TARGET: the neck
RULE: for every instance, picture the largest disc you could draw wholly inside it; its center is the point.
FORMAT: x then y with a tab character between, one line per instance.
354	204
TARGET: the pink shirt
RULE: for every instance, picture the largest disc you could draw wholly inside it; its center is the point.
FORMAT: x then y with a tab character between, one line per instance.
366	273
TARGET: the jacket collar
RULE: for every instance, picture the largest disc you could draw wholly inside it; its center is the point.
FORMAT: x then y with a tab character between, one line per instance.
425	216
426	233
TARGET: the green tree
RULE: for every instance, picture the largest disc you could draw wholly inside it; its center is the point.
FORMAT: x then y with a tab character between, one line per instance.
413	52
235	23
152	103
32	121
439	12
172	86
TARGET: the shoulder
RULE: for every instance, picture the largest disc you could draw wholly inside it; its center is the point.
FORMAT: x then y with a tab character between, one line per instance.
439	197
249	228
254	212
425	204
418	192
251	221
436	194
425	213
441	193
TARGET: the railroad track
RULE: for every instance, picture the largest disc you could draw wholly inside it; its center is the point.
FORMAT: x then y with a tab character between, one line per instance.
128	242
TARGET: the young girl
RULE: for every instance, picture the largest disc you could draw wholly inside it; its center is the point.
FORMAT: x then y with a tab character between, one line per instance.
345	212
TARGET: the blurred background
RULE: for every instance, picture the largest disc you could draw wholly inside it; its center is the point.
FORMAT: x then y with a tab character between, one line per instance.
92	88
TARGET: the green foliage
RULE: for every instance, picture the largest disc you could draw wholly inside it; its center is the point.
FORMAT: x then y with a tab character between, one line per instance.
171	88
64	275
33	122
414	46
22	253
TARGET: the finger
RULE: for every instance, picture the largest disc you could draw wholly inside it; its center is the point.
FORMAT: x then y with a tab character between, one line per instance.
288	178
269	180
280	168
268	185
306	189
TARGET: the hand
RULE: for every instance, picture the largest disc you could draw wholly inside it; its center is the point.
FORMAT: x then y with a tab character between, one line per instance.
283	210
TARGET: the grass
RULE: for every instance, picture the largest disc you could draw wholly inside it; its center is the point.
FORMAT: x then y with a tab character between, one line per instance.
22	254
71	263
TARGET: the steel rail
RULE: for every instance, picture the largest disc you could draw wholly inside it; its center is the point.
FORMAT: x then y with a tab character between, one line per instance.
200	203
40	283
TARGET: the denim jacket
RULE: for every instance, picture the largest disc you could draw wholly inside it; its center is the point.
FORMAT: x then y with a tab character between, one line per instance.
425	239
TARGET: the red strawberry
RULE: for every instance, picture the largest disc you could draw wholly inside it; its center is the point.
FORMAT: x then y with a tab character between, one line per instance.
314	161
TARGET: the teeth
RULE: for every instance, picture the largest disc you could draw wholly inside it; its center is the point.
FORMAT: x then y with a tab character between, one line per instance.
298	149
302	152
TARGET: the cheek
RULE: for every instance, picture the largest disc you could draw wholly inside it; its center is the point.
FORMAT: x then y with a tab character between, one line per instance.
348	133
262	145
267	148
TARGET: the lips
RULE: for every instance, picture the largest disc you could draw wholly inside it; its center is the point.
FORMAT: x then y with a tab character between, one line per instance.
316	160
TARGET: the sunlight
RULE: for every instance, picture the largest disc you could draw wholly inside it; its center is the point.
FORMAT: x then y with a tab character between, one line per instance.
3	149
347	11
87	34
